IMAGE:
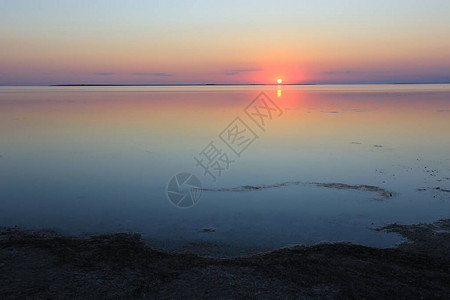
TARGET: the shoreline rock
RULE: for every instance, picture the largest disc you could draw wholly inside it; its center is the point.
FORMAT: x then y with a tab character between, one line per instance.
46	264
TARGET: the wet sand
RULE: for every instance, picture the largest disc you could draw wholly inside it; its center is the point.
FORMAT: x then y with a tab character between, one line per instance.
45	264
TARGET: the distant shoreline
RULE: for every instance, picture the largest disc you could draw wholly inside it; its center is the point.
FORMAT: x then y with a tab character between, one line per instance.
219	84
182	84
243	84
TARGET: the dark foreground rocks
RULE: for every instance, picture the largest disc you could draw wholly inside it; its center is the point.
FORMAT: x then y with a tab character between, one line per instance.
44	264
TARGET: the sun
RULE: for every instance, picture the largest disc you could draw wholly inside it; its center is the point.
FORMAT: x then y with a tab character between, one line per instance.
279	80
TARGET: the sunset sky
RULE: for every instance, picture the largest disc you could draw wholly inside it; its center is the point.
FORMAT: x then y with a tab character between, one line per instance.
139	42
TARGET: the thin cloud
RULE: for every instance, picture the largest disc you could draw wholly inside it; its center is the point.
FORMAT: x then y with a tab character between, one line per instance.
329	112
105	73
231	73
246	70
352	72
238	71
356	110
339	72
153	74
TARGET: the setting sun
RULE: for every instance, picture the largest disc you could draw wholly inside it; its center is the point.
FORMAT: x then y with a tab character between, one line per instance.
279	80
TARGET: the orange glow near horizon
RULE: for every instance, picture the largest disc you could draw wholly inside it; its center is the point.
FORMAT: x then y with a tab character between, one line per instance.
162	44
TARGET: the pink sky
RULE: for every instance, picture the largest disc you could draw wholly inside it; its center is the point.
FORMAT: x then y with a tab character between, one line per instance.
47	42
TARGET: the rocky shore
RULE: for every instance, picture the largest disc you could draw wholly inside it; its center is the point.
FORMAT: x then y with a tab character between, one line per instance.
45	264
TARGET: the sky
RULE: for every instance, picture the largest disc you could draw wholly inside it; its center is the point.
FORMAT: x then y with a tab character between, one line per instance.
169	42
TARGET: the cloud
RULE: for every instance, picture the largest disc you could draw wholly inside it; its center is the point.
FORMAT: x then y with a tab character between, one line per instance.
246	70
340	72
153	74
238	71
353	72
105	73
231	73
355	110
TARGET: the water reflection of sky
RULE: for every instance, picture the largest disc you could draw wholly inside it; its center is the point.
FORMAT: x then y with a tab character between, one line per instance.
98	159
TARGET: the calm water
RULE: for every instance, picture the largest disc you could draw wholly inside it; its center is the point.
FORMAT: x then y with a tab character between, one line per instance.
98	159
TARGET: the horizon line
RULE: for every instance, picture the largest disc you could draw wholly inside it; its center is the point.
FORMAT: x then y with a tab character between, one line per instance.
218	84
230	84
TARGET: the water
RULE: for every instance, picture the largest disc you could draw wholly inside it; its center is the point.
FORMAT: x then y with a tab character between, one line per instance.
98	159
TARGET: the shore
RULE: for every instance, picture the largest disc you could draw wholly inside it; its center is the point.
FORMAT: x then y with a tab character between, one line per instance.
45	264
